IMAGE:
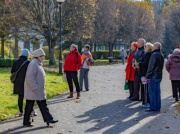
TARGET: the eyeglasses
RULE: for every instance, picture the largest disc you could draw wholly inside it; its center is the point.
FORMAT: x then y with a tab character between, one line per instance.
42	56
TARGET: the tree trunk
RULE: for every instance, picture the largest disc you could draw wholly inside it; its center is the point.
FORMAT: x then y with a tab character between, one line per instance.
2	47
27	44
16	46
95	56
80	46
110	50
51	53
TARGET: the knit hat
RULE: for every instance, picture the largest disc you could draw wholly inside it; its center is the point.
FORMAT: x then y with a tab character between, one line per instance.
25	52
176	50
38	52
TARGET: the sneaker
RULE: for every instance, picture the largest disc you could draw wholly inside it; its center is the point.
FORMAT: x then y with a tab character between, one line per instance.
21	114
33	113
145	106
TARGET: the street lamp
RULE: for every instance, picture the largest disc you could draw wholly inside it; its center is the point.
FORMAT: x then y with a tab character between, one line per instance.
60	2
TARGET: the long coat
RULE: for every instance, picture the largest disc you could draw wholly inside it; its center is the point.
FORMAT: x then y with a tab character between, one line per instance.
173	66
144	63
35	81
19	82
129	69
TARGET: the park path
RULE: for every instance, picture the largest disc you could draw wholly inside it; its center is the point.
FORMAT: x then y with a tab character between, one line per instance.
103	110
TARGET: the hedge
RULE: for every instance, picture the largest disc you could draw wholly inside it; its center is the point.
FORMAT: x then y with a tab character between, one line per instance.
100	54
6	62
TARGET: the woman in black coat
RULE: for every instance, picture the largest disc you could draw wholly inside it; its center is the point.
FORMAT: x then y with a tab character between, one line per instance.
143	66
19	82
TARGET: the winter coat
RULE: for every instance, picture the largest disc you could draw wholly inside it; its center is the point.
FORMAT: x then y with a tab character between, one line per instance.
173	66
139	53
156	65
19	82
144	62
35	81
73	62
129	69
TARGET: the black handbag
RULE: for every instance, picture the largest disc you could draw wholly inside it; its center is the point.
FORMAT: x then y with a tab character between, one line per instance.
14	75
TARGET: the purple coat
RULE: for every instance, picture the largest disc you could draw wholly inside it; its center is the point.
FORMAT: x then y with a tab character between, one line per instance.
173	66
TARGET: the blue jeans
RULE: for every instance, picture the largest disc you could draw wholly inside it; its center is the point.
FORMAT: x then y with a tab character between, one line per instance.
155	94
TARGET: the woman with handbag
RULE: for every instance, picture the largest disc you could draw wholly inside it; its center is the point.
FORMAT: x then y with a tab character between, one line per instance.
130	69
20	67
72	64
34	89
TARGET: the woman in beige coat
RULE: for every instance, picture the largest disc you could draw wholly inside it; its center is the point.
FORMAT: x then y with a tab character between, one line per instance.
34	89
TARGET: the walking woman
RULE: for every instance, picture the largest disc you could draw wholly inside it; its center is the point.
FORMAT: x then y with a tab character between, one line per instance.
34	89
72	64
173	67
22	64
130	69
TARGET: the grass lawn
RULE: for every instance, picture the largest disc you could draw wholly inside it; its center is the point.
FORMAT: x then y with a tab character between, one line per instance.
8	102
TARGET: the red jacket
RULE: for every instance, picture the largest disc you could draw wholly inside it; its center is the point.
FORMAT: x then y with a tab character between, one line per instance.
73	61
130	71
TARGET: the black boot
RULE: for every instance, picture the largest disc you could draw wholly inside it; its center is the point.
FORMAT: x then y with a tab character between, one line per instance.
51	121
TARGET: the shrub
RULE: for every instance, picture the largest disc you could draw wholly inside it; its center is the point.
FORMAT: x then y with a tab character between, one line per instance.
6	62
7	52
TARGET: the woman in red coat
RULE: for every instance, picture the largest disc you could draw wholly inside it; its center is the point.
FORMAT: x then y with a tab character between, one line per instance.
72	64
130	69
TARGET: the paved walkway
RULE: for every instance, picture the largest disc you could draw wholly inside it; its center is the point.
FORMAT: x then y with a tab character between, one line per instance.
103	110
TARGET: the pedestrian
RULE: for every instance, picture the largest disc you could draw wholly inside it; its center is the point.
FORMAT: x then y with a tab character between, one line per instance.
72	64
22	64
34	89
130	71
137	77
84	70
154	73
143	66
173	67
123	55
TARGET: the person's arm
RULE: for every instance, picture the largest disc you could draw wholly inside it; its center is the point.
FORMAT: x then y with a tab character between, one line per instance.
79	64
13	67
168	65
145	61
31	77
151	67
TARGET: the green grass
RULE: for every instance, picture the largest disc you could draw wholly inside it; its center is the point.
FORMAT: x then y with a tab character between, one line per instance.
8	101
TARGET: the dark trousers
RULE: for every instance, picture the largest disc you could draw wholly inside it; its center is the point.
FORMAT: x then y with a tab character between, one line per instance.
20	102
43	108
145	97
131	88
175	88
138	86
72	76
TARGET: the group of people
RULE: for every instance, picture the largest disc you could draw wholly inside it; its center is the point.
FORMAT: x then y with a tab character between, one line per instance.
145	63
144	71
30	80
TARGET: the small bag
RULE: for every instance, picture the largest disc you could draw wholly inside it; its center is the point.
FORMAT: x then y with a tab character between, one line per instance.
90	62
14	75
126	87
64	78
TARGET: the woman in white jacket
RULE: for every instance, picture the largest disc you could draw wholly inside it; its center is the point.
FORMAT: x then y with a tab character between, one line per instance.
34	89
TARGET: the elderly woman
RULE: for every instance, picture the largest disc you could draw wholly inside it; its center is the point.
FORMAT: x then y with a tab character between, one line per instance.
143	66
173	67
130	70
72	64
34	89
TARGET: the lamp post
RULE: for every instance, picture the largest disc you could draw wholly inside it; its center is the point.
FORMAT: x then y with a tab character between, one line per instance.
60	2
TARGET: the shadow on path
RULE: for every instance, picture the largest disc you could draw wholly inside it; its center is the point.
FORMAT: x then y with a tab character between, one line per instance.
116	117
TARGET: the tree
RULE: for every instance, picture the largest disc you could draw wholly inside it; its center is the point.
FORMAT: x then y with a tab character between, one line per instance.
43	18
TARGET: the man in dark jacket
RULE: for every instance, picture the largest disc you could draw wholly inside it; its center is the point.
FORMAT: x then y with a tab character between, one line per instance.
154	73
137	58
19	82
